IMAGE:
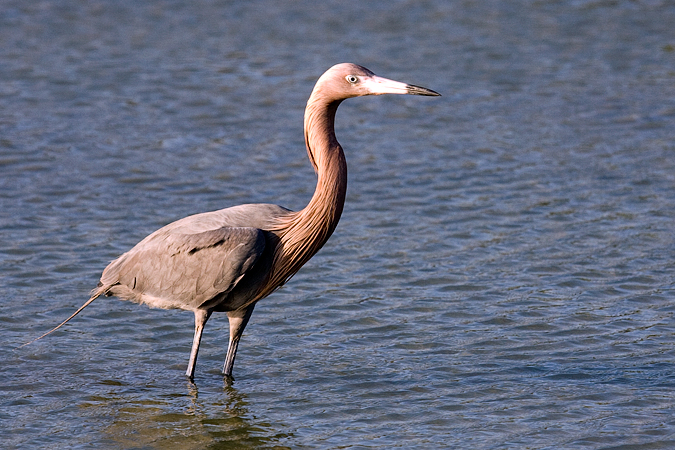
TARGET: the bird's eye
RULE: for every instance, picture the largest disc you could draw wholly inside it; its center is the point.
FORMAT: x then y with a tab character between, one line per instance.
352	79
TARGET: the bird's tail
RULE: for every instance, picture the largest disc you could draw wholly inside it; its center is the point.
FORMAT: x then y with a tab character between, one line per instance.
95	294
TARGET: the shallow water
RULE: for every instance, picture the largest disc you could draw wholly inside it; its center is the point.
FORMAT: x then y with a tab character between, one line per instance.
502	276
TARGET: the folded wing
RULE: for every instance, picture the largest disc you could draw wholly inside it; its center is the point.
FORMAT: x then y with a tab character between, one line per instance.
181	269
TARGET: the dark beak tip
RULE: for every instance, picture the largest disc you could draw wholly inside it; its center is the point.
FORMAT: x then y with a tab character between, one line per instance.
418	90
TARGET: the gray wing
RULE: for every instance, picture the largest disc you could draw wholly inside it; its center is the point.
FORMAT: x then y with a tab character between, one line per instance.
176	268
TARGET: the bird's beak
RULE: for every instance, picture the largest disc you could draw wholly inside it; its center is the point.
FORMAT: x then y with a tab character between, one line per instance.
378	86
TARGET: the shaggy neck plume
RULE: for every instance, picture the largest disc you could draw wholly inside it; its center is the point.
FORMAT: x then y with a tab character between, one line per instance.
303	233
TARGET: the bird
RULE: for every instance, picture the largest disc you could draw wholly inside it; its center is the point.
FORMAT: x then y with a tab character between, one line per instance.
228	260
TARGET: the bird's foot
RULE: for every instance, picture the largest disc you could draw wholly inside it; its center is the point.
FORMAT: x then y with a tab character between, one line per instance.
228	379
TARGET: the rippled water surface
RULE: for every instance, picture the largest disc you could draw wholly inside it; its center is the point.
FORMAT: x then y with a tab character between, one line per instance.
502	276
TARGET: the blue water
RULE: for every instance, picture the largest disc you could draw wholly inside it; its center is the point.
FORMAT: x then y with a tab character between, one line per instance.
501	278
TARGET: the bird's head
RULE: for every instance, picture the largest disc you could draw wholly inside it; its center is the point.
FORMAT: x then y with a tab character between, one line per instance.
348	80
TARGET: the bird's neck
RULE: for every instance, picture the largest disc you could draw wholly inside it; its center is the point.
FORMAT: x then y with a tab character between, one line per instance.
301	234
317	221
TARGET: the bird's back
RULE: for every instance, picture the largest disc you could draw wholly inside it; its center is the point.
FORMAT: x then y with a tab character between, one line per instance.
216	260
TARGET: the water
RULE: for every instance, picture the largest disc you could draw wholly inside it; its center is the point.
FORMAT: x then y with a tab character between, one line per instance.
502	276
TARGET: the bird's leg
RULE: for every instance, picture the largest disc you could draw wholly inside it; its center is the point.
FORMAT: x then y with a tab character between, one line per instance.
201	316
238	320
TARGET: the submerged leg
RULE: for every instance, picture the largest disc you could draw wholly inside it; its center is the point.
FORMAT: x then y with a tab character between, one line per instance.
238	321
201	316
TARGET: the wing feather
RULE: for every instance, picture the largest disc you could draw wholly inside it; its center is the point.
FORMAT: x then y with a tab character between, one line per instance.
179	269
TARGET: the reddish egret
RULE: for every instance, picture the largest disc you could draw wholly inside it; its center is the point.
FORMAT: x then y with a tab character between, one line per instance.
227	260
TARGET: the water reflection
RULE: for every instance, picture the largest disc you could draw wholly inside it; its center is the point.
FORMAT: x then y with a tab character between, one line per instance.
154	418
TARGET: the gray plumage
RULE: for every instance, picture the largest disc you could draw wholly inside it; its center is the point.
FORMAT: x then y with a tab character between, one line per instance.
167	268
229	259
